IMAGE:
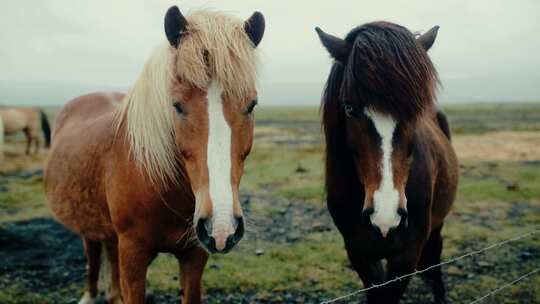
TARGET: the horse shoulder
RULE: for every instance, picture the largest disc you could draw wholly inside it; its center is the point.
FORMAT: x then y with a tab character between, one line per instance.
143	211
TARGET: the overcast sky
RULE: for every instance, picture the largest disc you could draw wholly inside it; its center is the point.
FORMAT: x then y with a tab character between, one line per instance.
107	42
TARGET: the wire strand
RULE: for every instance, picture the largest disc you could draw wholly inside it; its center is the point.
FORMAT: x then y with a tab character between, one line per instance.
450	261
496	290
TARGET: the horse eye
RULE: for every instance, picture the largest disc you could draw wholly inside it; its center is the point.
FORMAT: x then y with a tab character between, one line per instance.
178	108
251	106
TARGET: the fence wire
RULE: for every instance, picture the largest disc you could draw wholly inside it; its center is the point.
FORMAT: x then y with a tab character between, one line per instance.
496	290
450	261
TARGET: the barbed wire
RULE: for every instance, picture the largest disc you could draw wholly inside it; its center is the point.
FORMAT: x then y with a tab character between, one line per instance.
416	272
496	290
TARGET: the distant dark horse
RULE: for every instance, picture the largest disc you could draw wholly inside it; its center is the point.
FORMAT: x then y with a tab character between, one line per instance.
391	172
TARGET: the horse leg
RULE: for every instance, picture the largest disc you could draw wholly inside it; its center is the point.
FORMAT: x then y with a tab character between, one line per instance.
402	264
192	264
388	294
92	250
431	255
36	141
113	294
134	258
28	140
370	273
376	274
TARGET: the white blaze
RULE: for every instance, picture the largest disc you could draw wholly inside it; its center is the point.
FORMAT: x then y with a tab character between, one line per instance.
386	197
219	165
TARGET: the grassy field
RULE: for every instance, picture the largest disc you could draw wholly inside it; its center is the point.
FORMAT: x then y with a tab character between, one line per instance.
292	253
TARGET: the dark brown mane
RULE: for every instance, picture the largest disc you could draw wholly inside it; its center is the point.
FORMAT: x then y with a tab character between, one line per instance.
387	70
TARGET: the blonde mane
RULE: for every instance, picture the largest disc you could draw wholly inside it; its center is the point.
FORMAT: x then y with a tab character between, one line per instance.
214	47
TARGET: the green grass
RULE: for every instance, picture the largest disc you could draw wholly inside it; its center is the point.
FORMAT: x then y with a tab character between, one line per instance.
23	200
307	193
280	174
288	114
16	294
489	182
294	173
19	294
317	265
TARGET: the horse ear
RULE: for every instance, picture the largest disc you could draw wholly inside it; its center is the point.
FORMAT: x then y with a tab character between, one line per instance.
428	38
175	25
254	28
338	48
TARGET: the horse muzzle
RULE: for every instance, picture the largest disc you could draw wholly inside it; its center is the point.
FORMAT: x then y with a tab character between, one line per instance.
219	240
386	225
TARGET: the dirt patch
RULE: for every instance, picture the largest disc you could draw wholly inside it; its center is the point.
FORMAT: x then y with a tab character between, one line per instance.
499	146
288	134
40	256
284	221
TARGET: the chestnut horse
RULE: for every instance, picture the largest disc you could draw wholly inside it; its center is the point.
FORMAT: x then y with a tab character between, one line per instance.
391	172
29	120
160	167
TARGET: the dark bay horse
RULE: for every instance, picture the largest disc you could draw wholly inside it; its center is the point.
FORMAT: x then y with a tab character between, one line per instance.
28	120
158	169
391	172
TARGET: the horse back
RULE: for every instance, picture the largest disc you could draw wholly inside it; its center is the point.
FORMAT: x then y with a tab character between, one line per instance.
86	109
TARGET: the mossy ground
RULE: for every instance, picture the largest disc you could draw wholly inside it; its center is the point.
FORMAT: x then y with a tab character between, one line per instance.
301	256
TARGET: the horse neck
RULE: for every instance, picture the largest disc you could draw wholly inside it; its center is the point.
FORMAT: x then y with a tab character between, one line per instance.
147	119
341	180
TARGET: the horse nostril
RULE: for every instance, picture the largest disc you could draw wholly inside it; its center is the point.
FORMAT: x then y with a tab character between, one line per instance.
239	230
404	214
210	242
203	228
366	216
